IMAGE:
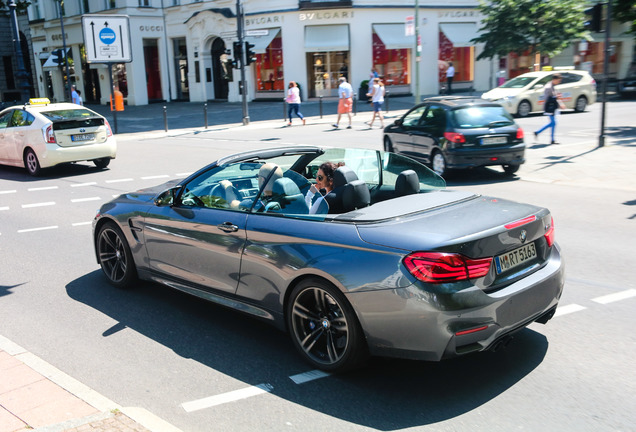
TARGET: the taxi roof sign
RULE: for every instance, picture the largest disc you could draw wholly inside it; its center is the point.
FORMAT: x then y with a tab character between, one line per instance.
39	101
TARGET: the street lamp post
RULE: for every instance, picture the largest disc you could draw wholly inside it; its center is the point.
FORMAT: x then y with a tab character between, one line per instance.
21	75
68	78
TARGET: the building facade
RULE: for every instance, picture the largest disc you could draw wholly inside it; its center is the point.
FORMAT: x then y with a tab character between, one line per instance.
182	49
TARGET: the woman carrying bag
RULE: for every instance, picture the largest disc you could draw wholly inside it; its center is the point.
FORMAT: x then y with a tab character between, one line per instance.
551	105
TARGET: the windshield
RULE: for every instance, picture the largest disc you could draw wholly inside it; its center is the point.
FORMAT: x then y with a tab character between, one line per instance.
68	114
482	116
518	82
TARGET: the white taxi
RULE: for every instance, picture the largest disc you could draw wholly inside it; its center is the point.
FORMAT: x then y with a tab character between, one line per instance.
524	94
40	134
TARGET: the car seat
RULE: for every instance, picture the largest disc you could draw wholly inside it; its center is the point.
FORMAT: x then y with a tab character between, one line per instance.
341	177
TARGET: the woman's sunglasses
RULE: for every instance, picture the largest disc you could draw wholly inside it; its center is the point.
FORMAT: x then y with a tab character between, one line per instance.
319	177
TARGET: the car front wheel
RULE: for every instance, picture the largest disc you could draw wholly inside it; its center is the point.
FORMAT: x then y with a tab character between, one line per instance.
31	163
324	327
581	104
524	108
114	256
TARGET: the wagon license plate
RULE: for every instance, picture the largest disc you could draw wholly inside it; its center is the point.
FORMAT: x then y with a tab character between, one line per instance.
515	258
83	137
494	140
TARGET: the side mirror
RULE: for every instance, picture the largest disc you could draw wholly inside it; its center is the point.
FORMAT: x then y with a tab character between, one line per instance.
538	86
167	197
398	122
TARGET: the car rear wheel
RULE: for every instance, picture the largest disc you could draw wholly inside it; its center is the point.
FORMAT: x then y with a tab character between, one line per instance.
101	163
524	108
388	145
438	163
115	257
324	327
511	168
581	104
31	163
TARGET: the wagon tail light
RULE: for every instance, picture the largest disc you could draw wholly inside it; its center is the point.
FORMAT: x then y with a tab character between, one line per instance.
109	131
440	267
455	137
49	135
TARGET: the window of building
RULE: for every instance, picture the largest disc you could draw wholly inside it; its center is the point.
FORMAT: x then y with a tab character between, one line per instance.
111	4
144	3
36	12
269	66
392	65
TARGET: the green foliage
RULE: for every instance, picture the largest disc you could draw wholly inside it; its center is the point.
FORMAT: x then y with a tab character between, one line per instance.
545	26
625	11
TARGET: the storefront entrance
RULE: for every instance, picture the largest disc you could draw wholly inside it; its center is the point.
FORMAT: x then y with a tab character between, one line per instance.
153	76
324	70
220	75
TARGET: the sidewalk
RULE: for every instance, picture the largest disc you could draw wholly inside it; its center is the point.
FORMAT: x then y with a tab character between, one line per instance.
34	395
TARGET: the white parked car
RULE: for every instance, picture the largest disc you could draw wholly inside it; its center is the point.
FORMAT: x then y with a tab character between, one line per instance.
524	94
40	134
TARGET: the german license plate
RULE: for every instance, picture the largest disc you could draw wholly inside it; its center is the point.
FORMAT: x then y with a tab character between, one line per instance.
515	258
83	137
494	140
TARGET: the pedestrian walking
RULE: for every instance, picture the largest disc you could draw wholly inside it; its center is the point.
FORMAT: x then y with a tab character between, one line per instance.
551	105
345	101
80	101
74	96
450	74
293	102
377	99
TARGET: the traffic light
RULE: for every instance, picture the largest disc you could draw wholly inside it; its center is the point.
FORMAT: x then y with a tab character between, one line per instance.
593	18
57	56
238	54
250	56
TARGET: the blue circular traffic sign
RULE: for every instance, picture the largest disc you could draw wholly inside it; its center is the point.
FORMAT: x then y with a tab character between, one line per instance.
107	36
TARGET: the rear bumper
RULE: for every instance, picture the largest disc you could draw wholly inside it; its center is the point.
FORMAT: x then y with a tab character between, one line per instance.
421	325
55	155
471	158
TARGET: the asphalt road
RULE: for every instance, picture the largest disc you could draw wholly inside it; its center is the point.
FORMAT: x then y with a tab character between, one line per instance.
168	352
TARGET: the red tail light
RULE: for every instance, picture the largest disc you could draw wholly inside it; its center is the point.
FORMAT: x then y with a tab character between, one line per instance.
519	133
49	135
109	131
455	137
440	267
549	234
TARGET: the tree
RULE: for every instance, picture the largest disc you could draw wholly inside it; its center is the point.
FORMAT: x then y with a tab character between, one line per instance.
545	26
625	11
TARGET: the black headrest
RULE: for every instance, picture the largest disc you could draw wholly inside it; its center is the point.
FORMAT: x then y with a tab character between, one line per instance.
407	183
343	175
355	195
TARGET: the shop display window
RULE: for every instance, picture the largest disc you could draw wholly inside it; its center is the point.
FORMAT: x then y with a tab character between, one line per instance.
269	67
462	57
391	64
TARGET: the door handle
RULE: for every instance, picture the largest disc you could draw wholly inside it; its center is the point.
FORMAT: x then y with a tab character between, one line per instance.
228	227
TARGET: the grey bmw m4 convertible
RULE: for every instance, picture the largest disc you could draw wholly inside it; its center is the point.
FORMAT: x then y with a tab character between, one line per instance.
387	263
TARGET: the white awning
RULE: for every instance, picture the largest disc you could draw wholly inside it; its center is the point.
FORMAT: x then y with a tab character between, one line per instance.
327	38
460	34
393	36
262	42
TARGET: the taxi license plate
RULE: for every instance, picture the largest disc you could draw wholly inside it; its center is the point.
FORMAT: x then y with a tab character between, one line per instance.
83	137
515	258
494	140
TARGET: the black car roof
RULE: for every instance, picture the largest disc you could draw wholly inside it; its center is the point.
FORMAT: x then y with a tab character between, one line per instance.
459	101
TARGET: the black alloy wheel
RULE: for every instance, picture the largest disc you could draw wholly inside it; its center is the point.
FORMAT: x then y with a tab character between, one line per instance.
115	257
324	327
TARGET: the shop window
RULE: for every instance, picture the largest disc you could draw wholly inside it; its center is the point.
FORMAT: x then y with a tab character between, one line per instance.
269	67
392	65
463	59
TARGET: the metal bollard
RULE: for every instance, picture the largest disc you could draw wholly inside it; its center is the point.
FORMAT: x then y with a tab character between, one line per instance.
165	118
386	99
355	104
205	114
320	104
284	110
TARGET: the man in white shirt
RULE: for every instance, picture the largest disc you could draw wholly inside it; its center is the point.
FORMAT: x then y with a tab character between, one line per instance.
345	103
450	73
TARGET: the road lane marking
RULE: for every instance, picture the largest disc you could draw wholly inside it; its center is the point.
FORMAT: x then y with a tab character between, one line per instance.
232	396
84	184
37	229
615	297
120	180
42	188
82	223
564	310
4	208
8	192
309	376
42	204
77	200
155	177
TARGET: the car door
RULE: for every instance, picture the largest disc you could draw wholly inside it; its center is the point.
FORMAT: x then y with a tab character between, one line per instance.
429	130
6	136
403	139
569	89
200	238
19	128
